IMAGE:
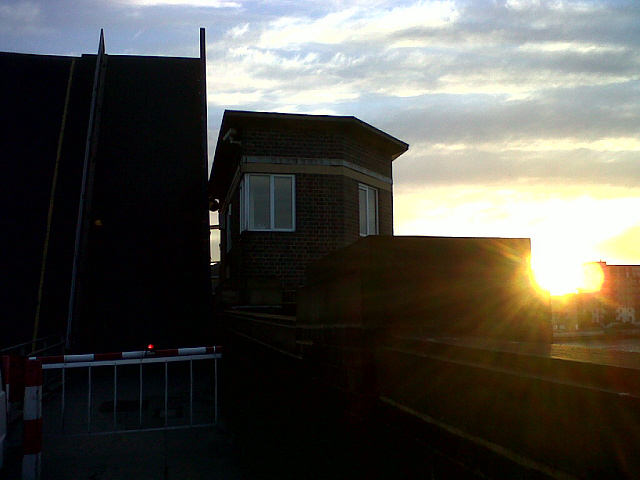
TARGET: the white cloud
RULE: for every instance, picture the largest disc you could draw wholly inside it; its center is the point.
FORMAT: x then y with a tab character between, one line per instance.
20	11
606	144
557	5
521	83
578	47
357	25
522	4
186	3
234	98
19	17
426	48
238	30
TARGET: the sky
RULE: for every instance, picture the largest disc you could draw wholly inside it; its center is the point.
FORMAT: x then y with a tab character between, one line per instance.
522	116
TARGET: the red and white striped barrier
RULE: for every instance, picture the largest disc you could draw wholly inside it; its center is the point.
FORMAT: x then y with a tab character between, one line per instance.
28	375
97	357
32	414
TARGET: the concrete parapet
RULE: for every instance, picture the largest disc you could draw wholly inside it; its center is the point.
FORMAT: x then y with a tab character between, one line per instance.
501	409
429	285
563	418
276	331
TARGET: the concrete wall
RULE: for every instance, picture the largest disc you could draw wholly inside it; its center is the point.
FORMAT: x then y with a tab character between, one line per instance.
429	285
558	417
494	409
376	329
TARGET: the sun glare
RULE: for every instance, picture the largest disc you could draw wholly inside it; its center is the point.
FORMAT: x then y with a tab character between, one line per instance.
592	277
561	276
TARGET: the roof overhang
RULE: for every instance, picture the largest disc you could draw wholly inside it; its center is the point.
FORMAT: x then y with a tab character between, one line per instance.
241	119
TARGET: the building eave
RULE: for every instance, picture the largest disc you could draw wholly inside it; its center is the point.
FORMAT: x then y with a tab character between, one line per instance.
240	119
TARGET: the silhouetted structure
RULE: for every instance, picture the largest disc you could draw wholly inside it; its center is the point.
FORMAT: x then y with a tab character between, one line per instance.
290	189
429	286
104	193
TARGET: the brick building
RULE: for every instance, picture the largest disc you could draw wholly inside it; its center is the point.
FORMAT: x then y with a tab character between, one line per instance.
619	298
290	189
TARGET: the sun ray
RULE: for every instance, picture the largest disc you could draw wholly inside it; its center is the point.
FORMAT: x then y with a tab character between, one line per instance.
560	273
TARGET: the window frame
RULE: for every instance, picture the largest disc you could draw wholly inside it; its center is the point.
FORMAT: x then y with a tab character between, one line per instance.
369	190
227	226
245	189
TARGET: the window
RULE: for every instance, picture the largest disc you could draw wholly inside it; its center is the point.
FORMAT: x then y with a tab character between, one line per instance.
368	210
269	202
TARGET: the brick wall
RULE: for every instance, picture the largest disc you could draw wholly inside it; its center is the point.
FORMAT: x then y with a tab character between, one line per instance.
327	209
361	154
385	207
352	210
326	220
320	213
283	143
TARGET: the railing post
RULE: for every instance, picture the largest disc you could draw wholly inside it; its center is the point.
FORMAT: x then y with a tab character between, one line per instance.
32	445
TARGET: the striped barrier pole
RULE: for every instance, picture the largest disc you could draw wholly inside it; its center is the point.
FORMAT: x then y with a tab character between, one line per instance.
97	357
32	413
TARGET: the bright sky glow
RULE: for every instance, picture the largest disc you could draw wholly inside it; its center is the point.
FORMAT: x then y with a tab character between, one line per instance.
561	275
523	116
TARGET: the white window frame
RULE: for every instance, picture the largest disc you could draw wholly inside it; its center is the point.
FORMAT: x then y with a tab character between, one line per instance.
244	195
369	191
227	224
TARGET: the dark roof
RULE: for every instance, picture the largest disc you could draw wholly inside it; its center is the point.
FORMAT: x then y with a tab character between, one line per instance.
352	126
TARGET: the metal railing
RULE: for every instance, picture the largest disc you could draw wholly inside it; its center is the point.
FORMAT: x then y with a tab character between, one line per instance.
101	385
30	347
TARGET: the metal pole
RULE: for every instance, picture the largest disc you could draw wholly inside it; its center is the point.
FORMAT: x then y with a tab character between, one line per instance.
52	196
63	393
140	405
115	396
87	184
166	392
191	392
215	390
89	404
204	166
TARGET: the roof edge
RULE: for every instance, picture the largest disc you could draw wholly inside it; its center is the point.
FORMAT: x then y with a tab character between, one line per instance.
347	119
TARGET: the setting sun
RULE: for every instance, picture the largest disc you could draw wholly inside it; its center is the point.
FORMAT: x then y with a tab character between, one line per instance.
561	276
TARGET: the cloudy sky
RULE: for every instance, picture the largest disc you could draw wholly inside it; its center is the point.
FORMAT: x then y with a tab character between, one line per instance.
523	116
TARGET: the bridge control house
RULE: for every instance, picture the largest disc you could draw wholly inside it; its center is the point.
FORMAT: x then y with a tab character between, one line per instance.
291	189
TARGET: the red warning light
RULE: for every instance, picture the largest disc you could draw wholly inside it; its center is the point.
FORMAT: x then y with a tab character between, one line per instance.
150	346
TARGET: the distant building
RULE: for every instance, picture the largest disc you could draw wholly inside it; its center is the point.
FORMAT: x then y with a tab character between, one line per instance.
104	194
618	300
623	290
290	189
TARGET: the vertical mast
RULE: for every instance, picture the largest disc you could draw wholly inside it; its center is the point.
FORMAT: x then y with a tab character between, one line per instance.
88	171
